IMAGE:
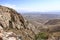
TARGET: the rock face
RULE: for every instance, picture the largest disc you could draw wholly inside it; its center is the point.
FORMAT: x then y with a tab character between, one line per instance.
8	36
10	20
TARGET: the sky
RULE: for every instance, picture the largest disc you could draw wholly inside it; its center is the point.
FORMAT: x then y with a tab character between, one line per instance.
32	5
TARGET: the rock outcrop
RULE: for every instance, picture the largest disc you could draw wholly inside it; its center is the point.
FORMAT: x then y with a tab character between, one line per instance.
8	35
10	20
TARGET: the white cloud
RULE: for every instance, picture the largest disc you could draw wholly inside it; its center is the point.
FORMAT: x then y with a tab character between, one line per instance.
42	8
11	6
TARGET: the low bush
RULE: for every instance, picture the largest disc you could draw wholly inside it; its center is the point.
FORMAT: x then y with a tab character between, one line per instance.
41	36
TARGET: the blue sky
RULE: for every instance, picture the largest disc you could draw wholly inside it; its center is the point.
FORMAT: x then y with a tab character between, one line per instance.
32	5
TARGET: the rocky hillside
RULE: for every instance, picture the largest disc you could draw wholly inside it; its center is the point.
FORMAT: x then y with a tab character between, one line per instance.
53	25
14	26
10	20
53	22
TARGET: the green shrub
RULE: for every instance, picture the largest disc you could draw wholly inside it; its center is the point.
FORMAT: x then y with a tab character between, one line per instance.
41	36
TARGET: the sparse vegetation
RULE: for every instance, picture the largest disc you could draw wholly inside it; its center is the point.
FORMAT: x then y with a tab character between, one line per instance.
41	36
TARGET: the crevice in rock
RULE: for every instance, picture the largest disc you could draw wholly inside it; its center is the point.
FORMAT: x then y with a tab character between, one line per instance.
1	38
10	24
1	25
12	18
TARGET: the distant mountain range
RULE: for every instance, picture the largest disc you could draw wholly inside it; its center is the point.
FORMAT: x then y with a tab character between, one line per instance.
41	17
58	12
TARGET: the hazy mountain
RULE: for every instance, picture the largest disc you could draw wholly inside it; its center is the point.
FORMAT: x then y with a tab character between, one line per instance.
41	17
